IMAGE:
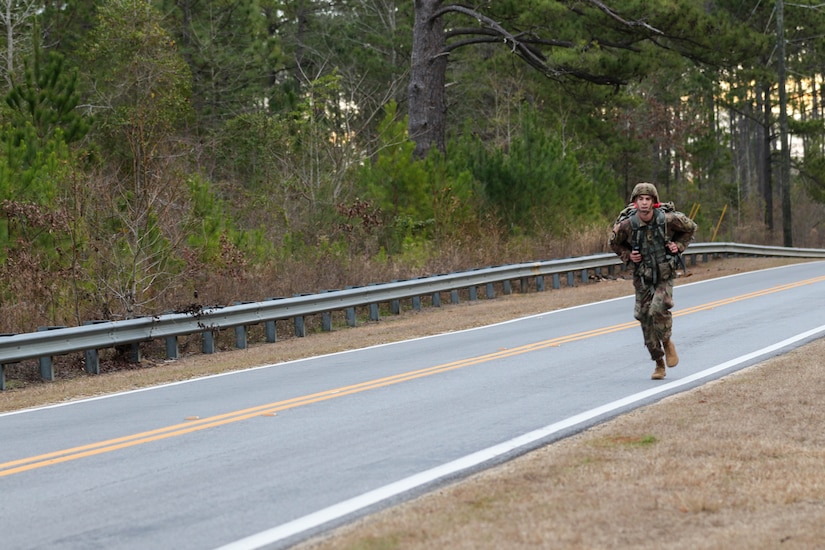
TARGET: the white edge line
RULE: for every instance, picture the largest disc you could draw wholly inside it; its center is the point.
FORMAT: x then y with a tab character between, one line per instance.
241	371
370	498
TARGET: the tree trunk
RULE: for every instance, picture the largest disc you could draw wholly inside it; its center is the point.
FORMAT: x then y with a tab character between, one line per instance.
767	159
428	75
785	164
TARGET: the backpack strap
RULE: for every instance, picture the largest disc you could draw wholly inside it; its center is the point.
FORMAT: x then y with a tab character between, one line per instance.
634	226
661	223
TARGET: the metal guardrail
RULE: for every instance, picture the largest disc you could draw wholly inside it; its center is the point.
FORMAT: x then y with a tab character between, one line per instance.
89	338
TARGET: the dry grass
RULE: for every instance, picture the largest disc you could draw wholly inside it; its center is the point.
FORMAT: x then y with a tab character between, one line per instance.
738	463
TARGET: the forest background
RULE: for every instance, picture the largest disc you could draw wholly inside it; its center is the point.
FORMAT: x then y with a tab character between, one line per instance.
168	154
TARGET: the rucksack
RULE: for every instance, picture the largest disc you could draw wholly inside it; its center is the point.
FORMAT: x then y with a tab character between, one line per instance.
659	219
630	209
659	223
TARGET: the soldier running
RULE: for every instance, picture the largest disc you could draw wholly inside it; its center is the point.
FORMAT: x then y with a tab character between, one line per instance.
652	238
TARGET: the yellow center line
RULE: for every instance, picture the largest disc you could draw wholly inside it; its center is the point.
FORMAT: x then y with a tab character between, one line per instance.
755	294
74	453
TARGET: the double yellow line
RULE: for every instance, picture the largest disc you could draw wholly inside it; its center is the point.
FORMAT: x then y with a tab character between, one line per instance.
269	409
742	297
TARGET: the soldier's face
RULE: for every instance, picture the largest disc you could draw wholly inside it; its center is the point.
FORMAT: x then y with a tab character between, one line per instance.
644	203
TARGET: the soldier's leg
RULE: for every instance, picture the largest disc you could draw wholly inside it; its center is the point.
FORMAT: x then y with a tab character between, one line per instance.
643	313
660	307
652	341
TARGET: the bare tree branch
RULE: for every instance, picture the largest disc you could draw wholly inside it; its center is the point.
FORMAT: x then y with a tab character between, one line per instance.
609	12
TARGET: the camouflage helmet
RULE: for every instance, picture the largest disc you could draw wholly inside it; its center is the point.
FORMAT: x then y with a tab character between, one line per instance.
644	188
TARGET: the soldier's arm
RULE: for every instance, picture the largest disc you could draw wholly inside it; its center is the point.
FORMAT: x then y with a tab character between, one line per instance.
683	230
619	241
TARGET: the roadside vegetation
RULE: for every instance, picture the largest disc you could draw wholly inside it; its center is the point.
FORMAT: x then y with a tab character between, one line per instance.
155	158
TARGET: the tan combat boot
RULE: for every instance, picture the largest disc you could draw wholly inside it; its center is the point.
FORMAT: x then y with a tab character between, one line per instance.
659	373
670	353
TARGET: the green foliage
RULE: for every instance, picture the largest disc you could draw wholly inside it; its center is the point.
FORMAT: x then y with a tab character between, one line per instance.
211	232
42	121
293	168
64	26
367	43
419	199
231	51
134	71
812	174
29	172
397	183
45	101
248	148
535	185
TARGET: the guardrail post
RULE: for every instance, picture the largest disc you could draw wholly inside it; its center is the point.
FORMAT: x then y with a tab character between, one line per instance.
352	319
585	278
436	299
240	337
491	292
47	363
270	328
395	305
208	337
539	283
508	287
134	352
473	292
91	356
298	321
300	326
171	342
571	279
556	281
208	342
241	331
375	314
524	285
3	367
172	349
416	303
454	296
92	360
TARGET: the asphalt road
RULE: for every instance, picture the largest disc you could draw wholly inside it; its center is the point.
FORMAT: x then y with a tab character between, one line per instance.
269	456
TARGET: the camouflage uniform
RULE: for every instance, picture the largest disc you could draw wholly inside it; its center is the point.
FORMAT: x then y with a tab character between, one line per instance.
653	276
